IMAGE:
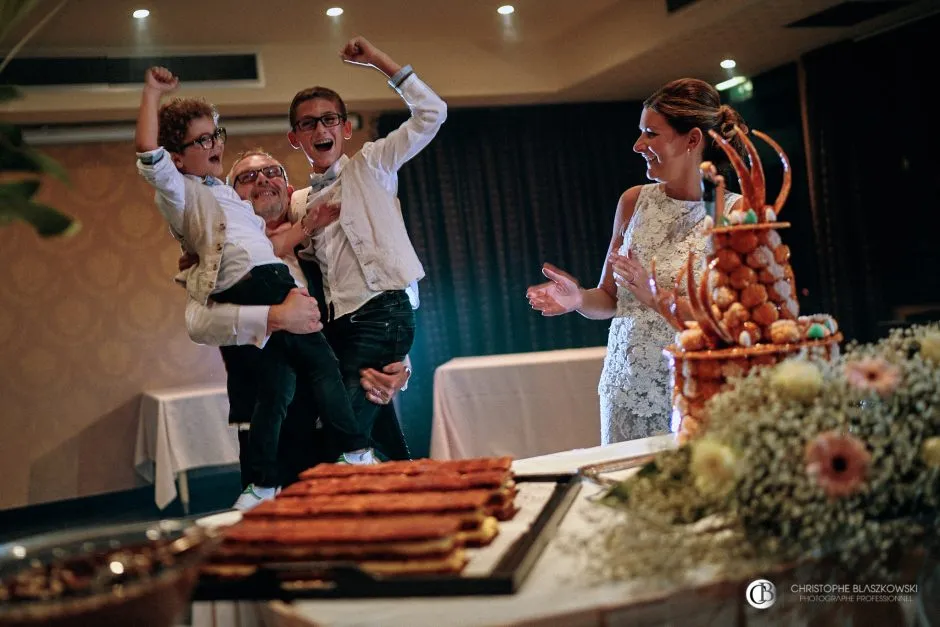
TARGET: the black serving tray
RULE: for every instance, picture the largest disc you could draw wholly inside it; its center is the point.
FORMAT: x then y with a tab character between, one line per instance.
324	580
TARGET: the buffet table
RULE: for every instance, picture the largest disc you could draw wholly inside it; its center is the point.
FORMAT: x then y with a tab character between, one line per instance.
521	405
557	592
553	593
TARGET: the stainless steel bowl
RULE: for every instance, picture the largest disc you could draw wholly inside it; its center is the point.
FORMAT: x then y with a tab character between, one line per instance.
136	574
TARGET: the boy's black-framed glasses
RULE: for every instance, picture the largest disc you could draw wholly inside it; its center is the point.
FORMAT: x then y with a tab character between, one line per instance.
328	120
250	176
207	141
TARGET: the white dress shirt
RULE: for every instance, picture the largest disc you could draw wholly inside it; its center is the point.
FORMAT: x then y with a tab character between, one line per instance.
344	284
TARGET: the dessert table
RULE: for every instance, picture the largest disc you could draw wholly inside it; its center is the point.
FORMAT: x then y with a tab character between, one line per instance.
557	592
179	429
521	405
552	593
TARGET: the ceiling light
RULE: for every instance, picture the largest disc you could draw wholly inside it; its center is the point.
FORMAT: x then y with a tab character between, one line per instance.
334	11
506	9
140	13
728	64
741	92
734	81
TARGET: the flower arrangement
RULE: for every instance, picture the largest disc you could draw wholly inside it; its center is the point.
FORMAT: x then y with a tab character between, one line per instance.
804	459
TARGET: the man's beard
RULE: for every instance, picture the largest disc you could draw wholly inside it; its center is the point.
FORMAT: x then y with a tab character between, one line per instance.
269	209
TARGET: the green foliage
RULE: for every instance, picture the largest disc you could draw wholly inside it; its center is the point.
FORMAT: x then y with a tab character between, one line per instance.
21	165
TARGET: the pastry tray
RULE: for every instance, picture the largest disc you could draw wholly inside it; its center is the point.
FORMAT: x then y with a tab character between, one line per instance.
510	568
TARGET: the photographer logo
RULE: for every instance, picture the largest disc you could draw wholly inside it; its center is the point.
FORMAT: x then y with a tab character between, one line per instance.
761	594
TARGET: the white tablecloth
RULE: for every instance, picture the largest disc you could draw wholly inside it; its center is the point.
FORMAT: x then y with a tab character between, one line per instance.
180	429
553	594
522	405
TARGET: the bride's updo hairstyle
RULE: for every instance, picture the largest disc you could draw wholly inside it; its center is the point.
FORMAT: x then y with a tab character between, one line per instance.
689	103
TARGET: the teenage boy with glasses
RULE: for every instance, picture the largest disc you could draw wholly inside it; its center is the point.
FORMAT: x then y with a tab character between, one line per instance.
369	266
179	149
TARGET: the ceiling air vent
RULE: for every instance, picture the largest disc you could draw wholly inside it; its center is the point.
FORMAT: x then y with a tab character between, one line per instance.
674	5
73	72
848	13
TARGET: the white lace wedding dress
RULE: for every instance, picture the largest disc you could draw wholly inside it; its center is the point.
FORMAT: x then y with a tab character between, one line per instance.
634	389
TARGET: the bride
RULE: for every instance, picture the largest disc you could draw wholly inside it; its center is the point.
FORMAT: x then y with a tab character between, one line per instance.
660	221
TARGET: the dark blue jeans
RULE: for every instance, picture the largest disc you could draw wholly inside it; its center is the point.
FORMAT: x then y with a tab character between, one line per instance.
285	358
377	334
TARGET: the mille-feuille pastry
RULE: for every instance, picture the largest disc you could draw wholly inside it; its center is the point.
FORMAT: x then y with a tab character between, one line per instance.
476	528
412	467
381	545
501	485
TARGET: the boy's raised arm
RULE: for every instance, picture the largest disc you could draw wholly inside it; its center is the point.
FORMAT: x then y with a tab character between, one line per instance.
428	111
157	81
158	171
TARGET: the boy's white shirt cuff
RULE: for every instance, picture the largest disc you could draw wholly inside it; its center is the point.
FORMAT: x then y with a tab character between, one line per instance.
396	80
150	157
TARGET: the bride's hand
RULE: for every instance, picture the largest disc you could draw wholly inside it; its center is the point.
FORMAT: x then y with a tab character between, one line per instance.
632	276
560	295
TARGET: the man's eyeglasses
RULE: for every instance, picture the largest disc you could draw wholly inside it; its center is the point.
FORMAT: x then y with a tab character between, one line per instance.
250	176
207	141
328	120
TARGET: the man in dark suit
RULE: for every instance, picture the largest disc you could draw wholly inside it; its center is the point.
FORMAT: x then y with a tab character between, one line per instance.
260	179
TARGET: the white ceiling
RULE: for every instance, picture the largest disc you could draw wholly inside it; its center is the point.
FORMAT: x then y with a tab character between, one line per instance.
547	51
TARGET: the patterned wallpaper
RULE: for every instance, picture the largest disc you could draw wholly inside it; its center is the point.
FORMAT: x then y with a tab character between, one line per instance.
88	323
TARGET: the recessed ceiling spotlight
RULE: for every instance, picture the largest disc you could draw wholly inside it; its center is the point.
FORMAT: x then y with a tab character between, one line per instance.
334	11
506	9
140	14
728	64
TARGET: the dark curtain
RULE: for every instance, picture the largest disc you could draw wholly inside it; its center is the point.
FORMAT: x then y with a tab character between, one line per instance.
497	193
873	164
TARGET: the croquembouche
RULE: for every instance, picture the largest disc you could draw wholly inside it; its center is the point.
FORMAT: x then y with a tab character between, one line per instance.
744	306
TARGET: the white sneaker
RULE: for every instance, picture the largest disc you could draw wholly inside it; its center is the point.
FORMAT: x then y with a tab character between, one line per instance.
253	496
363	457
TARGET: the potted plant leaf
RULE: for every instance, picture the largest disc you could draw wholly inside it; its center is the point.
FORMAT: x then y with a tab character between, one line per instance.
22	166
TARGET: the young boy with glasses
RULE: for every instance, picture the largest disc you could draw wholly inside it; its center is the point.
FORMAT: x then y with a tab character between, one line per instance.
369	266
179	150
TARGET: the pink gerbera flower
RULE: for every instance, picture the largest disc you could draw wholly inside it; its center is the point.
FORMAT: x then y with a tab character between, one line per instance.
875	374
838	462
